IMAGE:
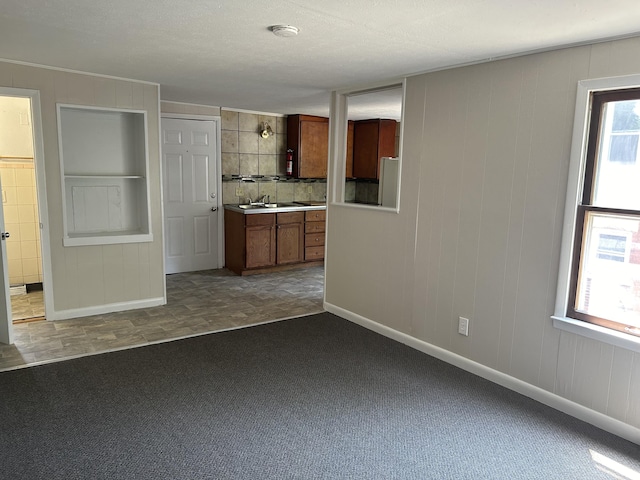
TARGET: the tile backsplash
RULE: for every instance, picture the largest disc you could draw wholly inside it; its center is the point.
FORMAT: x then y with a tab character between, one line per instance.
245	152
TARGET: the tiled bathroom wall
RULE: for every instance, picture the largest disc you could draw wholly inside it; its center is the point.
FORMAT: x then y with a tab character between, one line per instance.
19	201
246	153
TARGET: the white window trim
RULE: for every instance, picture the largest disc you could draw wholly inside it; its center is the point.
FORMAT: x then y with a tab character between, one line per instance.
338	124
574	191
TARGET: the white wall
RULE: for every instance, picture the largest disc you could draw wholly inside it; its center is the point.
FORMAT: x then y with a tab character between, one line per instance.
86	279
15	124
485	163
188	108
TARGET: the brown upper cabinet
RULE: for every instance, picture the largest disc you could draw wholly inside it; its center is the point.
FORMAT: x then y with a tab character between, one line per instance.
372	140
349	166
308	137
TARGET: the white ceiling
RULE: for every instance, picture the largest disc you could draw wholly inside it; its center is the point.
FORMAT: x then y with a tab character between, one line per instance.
221	52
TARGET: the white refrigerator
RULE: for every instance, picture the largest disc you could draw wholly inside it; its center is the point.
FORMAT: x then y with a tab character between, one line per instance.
389	182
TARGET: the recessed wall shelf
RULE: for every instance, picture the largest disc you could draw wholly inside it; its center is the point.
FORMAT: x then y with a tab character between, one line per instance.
104	164
103	176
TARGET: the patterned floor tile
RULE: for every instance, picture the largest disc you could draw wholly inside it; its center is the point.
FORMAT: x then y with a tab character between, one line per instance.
197	302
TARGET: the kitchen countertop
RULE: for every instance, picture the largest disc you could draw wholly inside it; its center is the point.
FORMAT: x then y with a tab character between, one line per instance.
281	207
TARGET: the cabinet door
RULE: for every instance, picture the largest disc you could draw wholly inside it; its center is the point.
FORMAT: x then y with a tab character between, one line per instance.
386	140
290	243
260	246
365	149
372	140
313	150
349	165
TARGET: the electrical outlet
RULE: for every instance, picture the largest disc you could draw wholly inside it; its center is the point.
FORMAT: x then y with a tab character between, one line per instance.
309	189
239	192
463	326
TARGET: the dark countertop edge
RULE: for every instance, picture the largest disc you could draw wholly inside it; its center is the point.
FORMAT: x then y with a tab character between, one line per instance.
297	208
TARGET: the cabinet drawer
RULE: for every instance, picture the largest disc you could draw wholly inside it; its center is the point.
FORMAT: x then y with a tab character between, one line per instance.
315	215
260	219
290	217
313	239
314	253
313	227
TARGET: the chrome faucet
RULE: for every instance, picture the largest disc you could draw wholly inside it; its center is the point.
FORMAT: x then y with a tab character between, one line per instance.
260	200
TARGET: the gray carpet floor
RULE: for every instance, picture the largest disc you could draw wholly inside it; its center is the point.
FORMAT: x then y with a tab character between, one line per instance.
315	397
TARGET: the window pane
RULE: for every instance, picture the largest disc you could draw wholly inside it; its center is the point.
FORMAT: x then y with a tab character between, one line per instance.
609	277
623	148
612	247
625	116
617	166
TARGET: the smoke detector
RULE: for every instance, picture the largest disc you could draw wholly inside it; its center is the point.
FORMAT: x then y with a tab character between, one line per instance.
284	30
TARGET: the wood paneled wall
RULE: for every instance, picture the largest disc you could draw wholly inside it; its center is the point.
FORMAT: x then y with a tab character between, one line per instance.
89	277
485	162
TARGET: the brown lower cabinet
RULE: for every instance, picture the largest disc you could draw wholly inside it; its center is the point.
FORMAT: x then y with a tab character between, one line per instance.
314	228
290	238
254	240
256	243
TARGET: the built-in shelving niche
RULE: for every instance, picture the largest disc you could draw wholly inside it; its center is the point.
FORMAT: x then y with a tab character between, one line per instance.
104	164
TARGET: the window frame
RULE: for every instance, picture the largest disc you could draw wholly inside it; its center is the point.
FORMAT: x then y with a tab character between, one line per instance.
563	318
338	128
598	99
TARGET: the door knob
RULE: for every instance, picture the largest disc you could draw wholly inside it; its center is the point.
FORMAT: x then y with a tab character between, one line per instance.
214	209
5	235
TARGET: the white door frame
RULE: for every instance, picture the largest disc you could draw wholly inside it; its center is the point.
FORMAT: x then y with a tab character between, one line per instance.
217	120
39	163
6	317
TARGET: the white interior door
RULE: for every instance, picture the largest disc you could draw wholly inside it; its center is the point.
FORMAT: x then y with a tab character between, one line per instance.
6	323
189	162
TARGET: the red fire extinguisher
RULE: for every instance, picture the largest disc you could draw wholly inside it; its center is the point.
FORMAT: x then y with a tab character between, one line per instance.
289	162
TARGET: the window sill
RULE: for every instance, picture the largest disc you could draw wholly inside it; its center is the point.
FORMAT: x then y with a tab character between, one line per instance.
365	206
596	332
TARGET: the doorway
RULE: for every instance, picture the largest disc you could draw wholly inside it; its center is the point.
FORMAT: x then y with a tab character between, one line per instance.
191	185
22	219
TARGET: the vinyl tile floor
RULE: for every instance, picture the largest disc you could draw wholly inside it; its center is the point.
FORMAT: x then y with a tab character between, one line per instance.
27	306
197	303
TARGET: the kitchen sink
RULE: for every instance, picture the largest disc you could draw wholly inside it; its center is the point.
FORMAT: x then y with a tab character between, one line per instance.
276	205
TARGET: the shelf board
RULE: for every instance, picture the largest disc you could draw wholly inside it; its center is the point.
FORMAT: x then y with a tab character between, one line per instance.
106	177
106	238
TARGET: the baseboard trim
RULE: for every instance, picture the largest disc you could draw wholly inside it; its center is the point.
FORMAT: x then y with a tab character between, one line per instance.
102	309
552	400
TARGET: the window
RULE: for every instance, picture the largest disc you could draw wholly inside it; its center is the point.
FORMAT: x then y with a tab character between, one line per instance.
365	144
605	269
